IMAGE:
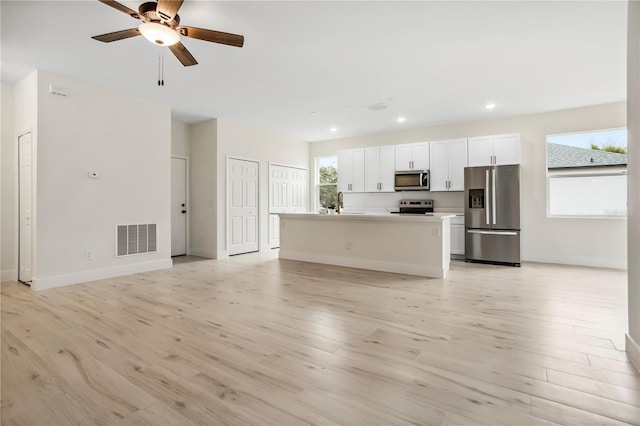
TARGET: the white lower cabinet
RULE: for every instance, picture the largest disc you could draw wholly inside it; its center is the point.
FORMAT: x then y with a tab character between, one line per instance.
457	235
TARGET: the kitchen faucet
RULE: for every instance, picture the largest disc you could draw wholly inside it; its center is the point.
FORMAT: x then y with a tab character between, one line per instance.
340	203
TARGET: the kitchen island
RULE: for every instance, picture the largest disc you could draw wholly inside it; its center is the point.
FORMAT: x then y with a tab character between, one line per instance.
406	244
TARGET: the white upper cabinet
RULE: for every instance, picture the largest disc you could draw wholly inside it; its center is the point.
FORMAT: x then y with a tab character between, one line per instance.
448	160
380	168
351	170
412	156
494	150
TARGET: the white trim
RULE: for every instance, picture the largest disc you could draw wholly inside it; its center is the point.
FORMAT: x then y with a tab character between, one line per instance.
633	351
9	275
187	201
271	163
266	247
210	254
596	262
99	274
376	265
222	254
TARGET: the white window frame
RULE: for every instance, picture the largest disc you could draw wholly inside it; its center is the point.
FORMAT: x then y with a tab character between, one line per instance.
564	173
316	171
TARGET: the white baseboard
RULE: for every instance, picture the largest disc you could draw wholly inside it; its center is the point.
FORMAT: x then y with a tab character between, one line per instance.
577	260
222	254
265	247
209	254
633	351
9	275
399	268
99	274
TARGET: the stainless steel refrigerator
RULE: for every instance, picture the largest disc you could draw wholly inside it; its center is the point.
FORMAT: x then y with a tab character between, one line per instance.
492	214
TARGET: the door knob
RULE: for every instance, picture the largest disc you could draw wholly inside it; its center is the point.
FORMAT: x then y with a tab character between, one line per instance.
184	211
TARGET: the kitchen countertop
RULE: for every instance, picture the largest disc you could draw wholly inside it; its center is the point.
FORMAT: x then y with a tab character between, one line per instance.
428	217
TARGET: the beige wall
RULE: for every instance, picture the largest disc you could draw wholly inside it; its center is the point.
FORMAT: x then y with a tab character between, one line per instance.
180	139
633	118
243	142
594	242
203	196
9	188
76	134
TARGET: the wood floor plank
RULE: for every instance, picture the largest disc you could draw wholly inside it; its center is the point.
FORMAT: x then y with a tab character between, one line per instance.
257	340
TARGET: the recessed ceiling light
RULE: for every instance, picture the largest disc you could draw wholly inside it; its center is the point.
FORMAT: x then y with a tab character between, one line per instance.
490	106
334	129
401	119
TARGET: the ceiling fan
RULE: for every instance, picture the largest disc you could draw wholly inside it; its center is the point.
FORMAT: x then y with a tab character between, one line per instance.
160	25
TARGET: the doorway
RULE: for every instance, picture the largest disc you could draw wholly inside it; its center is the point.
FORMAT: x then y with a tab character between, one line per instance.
242	211
179	205
25	207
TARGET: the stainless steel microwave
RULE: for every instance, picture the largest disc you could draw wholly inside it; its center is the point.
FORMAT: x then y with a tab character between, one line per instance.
412	180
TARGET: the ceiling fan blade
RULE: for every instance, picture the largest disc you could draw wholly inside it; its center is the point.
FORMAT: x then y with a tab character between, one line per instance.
168	9
117	35
183	54
212	36
121	8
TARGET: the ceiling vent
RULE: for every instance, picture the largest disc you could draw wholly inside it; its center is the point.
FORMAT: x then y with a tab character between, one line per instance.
377	107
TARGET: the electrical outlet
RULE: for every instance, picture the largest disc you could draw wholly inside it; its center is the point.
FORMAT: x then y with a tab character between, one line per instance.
89	255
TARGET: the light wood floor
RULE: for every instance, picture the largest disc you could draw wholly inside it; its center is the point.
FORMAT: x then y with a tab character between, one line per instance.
256	340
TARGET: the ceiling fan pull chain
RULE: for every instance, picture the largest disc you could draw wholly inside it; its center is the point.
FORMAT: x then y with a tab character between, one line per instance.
159	68
162	56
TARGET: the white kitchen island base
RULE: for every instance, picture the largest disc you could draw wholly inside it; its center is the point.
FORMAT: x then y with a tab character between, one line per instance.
414	244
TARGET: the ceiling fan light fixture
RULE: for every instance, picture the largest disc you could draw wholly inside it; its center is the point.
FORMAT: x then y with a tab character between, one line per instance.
159	34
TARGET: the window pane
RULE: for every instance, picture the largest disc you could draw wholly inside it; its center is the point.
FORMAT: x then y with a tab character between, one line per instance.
328	169
588	196
585	172
328	196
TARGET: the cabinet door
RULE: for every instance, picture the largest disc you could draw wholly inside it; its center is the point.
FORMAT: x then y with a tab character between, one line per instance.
479	151
457	152
387	168
439	166
403	157
506	149
357	170
420	155
372	169
457	239
344	170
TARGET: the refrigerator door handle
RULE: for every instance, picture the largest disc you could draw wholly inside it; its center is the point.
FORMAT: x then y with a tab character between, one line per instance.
493	195
486	185
473	231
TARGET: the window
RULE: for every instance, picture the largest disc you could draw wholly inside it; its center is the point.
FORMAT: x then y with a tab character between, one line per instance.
327	183
587	174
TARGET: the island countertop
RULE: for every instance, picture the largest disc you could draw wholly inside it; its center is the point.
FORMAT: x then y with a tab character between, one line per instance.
427	217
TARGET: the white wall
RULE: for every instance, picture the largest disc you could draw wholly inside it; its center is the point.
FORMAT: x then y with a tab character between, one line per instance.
253	144
203	189
8	189
180	139
95	129
633	126
594	242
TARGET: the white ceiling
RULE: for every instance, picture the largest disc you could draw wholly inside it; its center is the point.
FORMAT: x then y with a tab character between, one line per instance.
431	62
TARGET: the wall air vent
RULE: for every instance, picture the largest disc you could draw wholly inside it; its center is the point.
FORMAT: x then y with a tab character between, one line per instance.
135	239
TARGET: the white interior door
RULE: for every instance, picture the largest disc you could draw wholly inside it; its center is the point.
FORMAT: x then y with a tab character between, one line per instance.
178	206
242	222
25	257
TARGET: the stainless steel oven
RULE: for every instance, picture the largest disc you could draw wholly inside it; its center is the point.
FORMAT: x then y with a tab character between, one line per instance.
412	180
